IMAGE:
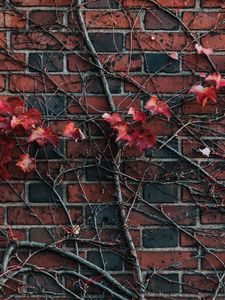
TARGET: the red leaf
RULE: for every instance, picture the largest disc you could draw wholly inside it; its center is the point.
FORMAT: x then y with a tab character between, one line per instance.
12	106
28	119
112	119
122	132
155	106
217	79
174	55
26	163
137	115
143	141
43	136
201	50
73	132
204	94
5	123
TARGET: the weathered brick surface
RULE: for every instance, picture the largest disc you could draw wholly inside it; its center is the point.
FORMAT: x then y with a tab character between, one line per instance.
176	215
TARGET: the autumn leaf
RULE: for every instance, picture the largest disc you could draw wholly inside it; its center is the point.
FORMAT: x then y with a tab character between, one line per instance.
26	163
143	141
112	119
217	79
204	94
201	50
155	106
138	115
12	106
28	119
174	55
5	123
122	132
43	136
71	131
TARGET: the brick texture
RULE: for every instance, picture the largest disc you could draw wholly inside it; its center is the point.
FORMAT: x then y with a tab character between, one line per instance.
173	194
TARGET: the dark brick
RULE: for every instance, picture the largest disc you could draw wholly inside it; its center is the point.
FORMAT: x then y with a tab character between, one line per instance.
46	19
48	152
99	172
48	105
111	261
102	4
41	193
157	19
161	63
49	62
107	42
160	238
95	86
160	193
46	283
164	152
102	215
166	283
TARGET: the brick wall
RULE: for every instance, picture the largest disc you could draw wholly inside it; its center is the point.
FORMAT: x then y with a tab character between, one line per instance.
173	195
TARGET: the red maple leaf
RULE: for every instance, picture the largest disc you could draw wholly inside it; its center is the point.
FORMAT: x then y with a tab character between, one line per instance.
155	106
122	132
28	119
43	136
26	163
12	106
201	50
217	79
5	123
137	115
143	141
71	131
204	94
112	119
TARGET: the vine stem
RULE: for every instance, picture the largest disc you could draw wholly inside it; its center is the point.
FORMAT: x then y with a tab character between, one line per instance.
116	165
42	247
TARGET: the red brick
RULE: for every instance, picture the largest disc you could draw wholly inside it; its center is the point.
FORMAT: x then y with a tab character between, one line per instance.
42	3
159	84
97	104
184	215
42	40
158	19
2	216
159	41
216	41
168	3
2	40
49	260
204	20
15	62
16	234
92	192
208	237
213	3
112	19
2	83
194	108
67	83
42	215
79	63
12	193
201	64
121	63
213	215
196	284
213	261
11	20
45	19
167	259
92	148
26	83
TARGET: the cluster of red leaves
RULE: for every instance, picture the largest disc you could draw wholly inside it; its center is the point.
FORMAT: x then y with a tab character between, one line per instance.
140	137
16	119
204	94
